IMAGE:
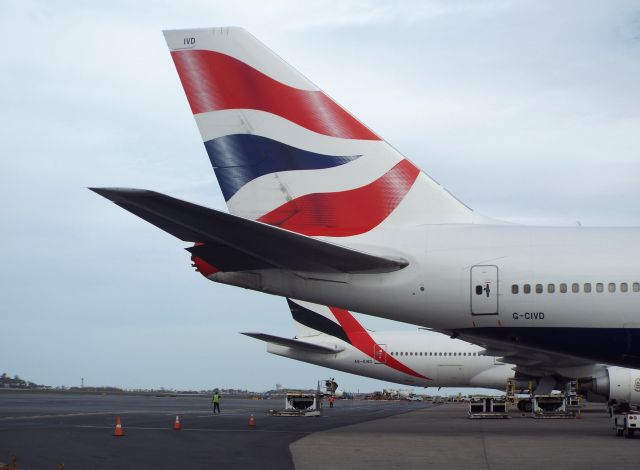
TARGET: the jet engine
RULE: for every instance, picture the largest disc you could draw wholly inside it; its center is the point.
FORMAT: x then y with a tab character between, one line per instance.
615	383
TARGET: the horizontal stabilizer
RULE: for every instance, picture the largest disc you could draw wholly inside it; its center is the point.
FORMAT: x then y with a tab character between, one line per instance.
255	245
295	343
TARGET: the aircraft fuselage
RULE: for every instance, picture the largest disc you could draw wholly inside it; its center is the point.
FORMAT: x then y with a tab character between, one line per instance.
461	279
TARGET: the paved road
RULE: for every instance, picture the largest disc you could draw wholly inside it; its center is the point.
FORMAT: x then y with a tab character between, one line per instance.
443	437
43	430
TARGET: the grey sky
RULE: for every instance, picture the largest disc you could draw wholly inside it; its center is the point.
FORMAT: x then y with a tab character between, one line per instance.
526	111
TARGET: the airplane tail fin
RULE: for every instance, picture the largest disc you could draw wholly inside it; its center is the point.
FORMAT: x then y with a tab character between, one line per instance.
286	154
314	319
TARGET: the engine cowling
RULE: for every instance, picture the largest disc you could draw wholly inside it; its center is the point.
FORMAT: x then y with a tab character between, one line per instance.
615	383
624	385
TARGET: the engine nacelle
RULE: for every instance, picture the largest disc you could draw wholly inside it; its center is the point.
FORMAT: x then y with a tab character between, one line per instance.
624	384
616	383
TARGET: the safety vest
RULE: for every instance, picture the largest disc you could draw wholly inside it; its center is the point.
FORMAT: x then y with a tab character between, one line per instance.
216	398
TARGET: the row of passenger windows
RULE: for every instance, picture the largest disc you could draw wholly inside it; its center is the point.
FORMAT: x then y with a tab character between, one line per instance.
563	287
433	354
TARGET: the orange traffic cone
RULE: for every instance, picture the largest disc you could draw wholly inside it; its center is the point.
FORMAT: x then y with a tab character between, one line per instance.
118	432
176	424
252	421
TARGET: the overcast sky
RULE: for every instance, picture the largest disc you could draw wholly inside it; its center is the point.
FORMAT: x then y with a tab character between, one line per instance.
526	111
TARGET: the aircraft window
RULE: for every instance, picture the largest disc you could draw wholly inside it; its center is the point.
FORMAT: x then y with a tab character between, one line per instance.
421	354
563	288
514	289
599	287
575	287
410	354
430	354
551	288
624	287
612	287
538	288
636	287
587	287
527	289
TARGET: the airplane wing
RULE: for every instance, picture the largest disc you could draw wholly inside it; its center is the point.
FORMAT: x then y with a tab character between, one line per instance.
295	343
529	361
239	244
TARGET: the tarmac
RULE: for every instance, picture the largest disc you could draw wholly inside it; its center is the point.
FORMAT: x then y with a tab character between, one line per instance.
46	429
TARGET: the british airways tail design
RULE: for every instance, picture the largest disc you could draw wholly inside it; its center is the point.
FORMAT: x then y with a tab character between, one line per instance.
286	154
322	209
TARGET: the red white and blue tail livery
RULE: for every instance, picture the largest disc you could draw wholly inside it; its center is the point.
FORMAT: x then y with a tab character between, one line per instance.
322	209
286	154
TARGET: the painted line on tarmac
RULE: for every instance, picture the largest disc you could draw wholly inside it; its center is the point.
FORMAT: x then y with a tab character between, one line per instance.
146	428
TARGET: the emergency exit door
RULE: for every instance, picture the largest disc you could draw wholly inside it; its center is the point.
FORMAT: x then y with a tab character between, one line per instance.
484	290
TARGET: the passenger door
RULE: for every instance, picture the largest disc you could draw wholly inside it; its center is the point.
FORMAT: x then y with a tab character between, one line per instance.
380	353
484	290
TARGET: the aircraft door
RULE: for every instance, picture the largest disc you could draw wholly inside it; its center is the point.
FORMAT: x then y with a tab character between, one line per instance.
380	353
484	290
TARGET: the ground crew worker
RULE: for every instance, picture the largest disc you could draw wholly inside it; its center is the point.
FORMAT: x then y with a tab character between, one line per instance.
331	400
216	401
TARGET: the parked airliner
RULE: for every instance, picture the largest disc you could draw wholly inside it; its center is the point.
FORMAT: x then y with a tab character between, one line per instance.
334	338
324	210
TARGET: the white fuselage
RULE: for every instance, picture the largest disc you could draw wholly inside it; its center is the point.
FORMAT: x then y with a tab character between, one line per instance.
443	361
437	289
